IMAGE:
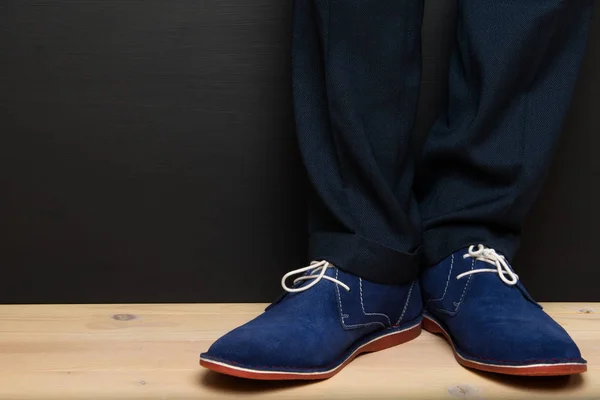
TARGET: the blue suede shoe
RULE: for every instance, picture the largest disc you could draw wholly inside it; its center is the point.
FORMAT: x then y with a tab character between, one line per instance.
327	319
491	321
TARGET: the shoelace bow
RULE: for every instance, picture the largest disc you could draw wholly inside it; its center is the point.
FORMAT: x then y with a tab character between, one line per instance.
482	253
316	267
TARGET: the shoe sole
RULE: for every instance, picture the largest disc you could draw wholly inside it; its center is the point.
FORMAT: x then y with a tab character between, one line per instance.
432	326
382	341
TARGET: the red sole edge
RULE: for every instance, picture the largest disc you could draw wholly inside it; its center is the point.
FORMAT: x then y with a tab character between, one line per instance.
432	326
377	344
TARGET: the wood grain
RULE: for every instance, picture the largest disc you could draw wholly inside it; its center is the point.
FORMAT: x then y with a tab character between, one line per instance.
151	352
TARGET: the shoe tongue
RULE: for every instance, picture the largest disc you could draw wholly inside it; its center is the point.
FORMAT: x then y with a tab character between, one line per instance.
331	272
328	272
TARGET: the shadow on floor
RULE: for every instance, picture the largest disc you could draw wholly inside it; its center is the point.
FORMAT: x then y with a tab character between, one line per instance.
533	384
229	384
536	384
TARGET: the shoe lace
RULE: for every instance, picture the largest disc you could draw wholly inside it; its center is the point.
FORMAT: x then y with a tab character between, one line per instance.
316	267
482	253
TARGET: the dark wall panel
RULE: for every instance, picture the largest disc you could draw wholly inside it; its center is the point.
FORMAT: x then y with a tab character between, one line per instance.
147	153
557	257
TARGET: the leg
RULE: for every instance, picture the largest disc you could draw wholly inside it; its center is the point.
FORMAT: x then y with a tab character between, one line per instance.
511	77
356	77
512	74
356	72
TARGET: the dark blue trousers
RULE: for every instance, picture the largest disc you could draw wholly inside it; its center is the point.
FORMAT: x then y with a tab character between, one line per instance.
380	211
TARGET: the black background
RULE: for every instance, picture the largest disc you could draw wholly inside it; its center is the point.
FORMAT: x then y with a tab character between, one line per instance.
147	154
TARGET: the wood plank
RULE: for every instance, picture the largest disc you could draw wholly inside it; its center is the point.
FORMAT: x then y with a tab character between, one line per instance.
151	352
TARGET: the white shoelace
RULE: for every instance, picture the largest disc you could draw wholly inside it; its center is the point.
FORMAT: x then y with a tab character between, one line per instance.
314	267
491	257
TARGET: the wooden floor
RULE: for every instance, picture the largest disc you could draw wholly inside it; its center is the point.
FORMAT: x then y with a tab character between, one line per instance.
151	352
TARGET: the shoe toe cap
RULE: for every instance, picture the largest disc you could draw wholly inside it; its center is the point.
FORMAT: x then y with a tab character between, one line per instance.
527	343
269	346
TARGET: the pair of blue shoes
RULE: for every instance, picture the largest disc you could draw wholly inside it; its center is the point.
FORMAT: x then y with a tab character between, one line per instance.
328	317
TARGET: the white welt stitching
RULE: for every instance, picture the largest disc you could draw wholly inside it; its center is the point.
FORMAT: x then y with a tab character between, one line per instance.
337	289
465	289
406	304
447	282
362	304
339	298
